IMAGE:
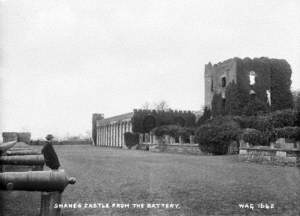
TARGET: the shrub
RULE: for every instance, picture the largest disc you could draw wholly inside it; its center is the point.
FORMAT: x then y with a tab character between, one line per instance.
283	118
161	131
215	138
252	136
277	119
131	139
286	132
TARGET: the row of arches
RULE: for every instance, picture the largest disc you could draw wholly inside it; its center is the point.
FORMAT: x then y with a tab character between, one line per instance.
112	134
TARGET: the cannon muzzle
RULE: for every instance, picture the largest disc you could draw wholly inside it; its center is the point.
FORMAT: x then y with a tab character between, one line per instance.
37	160
47	181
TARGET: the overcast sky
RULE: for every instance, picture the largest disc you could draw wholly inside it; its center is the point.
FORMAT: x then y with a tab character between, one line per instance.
62	60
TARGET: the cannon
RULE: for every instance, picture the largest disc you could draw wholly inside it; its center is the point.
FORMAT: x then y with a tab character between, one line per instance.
50	183
35	160
22	152
7	145
47	181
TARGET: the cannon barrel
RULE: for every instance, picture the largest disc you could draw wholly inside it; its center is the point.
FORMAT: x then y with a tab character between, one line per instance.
22	152
7	145
47	181
22	160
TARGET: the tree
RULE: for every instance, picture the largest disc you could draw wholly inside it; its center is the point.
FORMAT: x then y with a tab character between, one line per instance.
146	106
162	106
205	116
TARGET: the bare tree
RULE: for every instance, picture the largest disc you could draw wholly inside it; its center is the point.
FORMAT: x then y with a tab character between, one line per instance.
162	105
146	106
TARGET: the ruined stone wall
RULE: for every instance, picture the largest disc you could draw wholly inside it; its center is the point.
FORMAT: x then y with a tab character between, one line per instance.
274	156
192	149
213	78
261	81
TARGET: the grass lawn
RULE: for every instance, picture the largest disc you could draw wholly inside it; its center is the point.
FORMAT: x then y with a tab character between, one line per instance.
201	185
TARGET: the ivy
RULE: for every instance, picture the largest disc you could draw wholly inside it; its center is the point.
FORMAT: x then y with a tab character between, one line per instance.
143	121
205	116
272	75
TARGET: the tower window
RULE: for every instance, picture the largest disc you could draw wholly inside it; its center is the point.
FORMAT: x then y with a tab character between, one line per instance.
212	86
252	76
223	82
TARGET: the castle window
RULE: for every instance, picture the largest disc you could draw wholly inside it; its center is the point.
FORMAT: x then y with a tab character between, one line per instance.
212	86
268	92
223	82
252	76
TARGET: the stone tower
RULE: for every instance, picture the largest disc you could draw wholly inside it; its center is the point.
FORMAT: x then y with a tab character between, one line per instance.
217	77
263	81
95	117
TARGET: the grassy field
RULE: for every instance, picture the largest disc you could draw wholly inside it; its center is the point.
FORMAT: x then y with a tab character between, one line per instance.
200	185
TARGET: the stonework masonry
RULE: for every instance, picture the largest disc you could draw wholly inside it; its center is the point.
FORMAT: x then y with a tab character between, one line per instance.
257	77
274	156
215	76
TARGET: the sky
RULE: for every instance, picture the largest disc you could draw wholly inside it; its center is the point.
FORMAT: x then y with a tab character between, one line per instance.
62	60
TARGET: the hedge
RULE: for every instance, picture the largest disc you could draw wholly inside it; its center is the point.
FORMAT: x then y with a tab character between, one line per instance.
143	121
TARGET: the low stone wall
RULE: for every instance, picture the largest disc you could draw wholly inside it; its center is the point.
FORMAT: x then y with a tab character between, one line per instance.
275	156
192	149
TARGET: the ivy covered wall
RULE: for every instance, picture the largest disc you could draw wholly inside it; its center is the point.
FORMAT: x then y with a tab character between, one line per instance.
145	120
273	75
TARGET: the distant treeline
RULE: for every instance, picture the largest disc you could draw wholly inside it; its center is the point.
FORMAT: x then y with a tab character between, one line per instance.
66	142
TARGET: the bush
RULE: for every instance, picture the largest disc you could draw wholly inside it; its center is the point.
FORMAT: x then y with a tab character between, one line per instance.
161	131
283	118
252	136
215	138
131	139
267	122
286	132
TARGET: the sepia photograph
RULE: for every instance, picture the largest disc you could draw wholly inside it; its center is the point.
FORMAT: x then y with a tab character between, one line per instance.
149	108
